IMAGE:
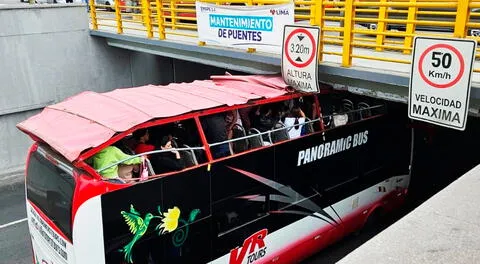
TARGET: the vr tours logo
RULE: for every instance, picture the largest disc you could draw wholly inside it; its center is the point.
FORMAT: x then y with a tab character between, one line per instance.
250	244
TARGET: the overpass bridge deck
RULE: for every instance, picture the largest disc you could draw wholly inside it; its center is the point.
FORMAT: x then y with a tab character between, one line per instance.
374	62
381	79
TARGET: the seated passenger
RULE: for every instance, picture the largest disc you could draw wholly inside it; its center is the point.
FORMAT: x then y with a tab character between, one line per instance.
142	136
167	161
307	105
111	155
340	119
125	172
245	117
296	118
231	119
264	120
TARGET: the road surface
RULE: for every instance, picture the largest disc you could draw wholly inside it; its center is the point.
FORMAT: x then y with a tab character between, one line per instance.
14	237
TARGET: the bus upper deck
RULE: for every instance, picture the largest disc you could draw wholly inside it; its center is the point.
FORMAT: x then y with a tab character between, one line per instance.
102	122
231	160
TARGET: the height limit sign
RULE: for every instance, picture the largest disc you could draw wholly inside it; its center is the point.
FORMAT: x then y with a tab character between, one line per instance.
440	81
299	57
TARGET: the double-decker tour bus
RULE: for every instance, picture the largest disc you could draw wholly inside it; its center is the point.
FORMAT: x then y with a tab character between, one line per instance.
235	169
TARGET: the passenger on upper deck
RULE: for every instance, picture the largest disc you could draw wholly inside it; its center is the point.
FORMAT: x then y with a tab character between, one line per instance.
307	104
169	160
215	129
232	118
264	119
245	117
142	136
111	155
295	118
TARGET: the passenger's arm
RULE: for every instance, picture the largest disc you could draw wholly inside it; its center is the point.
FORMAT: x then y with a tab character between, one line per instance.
302	114
176	153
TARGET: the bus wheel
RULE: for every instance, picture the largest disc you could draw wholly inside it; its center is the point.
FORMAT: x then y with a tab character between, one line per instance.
374	223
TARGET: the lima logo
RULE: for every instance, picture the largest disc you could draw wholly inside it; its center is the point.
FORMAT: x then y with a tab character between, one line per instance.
250	243
279	12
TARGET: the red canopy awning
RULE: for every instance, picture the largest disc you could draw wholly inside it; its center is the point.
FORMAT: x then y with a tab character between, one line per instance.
89	119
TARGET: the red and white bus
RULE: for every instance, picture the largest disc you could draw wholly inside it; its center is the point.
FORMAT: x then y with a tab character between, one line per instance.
300	172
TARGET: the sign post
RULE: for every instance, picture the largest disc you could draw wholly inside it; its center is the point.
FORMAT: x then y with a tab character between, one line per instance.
299	57
440	81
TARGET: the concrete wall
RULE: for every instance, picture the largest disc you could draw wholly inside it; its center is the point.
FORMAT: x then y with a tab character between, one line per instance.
185	71
46	55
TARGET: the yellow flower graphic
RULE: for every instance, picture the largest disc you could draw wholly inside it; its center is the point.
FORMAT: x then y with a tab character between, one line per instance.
170	220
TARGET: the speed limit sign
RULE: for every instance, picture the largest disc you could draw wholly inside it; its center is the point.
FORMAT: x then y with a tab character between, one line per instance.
440	81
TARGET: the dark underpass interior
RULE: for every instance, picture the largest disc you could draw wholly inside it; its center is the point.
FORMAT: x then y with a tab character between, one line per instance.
441	155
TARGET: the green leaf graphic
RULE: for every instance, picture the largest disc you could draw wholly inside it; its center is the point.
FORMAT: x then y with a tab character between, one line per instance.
193	215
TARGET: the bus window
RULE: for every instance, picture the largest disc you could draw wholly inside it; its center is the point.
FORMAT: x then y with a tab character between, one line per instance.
339	109
51	189
178	144
287	119
236	131
333	112
115	165
154	150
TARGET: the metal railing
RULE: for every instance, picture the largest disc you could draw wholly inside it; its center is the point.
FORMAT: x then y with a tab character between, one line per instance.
387	27
358	115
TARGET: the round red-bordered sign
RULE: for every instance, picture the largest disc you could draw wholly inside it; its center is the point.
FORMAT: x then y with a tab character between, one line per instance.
445	85
314	48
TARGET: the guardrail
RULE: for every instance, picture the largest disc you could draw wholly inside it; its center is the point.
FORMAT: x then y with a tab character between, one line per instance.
381	25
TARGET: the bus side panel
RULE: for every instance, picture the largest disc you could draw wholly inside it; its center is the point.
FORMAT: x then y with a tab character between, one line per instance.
190	242
389	155
338	172
317	176
306	236
323	170
240	194
165	219
48	245
259	194
88	232
295	241
341	174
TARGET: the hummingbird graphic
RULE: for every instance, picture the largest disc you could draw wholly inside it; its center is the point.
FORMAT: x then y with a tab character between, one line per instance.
138	227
